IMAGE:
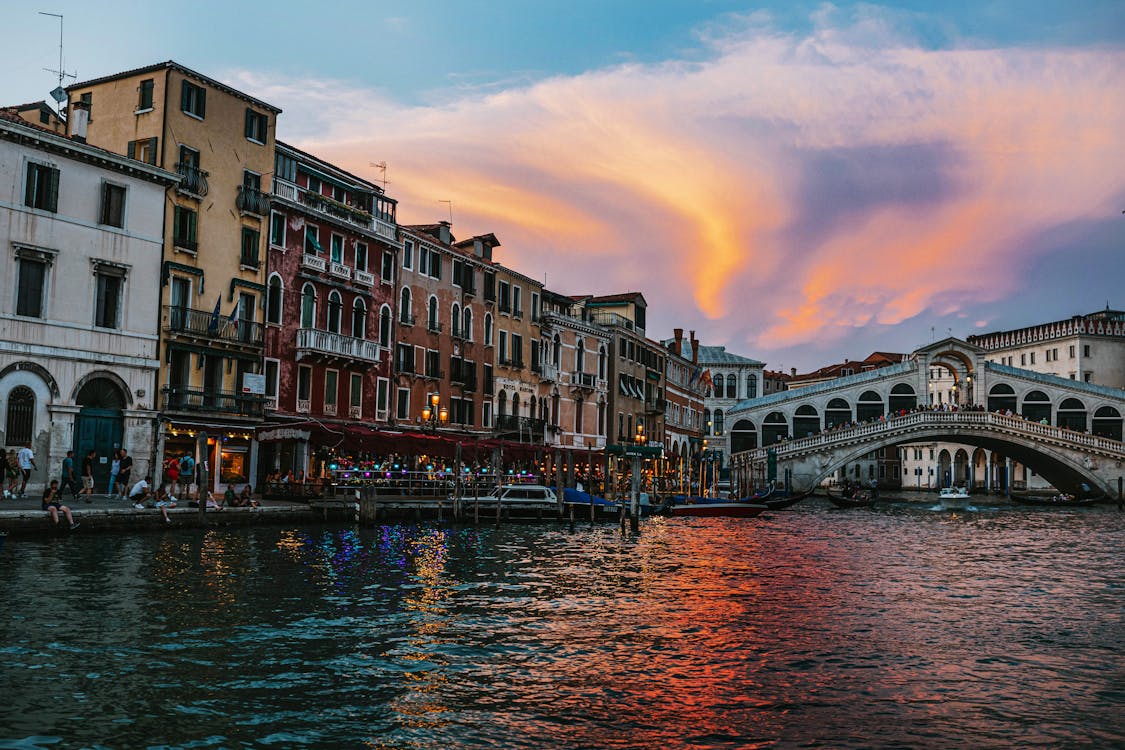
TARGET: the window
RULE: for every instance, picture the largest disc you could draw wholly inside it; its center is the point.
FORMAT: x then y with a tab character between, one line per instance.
388	272
404	315
250	241
361	256
337	248
277	229
335	304
143	150
504	348
145	100
435	265
359	318
490	286
88	100
732	386
385	326
184	229
113	205
272	371
42	189
601	417
312	240
455	320
355	393
458	270
1032	357
314	185
402	411
331	389
308	306
467	324
256	124
517	305
601	362
407	254
423	260
751	386
20	422
304	386
1085	350
274	292
505	297
382	397
486	414
432	314
193	100
29	288
285	167
488	329
580	357
534	307
108	299
579	407
1023	359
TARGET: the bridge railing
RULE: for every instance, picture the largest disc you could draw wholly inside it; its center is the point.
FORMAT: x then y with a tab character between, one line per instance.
923	418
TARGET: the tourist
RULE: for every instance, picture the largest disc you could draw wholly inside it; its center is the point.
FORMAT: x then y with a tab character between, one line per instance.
187	476
140	493
52	503
245	499
229	497
124	472
26	460
212	503
69	478
88	475
12	474
114	467
172	471
164	502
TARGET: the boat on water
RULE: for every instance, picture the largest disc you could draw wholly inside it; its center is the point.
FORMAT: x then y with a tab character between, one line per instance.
716	507
1062	500
781	502
858	500
954	498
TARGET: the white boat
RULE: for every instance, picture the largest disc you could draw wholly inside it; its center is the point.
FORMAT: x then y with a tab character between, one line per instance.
517	495
954	498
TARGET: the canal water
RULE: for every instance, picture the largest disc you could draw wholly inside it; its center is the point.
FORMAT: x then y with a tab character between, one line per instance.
898	627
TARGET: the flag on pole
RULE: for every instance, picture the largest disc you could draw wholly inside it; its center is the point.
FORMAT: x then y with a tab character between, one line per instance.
233	314
213	326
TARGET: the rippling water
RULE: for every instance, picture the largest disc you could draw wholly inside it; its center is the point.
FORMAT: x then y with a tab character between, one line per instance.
895	628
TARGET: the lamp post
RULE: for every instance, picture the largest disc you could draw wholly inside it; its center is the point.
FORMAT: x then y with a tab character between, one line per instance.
434	415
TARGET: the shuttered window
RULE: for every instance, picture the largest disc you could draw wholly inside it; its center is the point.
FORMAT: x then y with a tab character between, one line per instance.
193	99
42	189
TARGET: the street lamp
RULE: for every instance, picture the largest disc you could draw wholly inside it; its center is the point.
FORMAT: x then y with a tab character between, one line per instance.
640	438
434	415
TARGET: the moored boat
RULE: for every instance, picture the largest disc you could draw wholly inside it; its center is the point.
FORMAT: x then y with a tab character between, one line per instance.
727	509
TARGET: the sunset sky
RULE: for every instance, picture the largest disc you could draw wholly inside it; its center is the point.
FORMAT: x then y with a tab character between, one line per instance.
802	182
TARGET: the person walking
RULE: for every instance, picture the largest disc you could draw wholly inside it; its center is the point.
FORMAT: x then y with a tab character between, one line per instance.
12	474
26	460
114	467
187	476
124	473
172	471
69	476
88	475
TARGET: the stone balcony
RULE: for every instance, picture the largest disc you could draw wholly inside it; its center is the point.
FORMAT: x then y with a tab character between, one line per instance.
313	342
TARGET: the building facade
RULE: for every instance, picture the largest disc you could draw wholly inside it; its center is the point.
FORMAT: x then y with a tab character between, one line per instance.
522	409
572	360
81	242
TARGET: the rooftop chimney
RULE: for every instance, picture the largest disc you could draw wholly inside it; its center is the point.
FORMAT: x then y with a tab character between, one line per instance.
445	232
694	348
678	344
793	371
79	119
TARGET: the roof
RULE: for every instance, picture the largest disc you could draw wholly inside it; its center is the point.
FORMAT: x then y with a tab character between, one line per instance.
488	239
361	182
173	65
873	361
611	299
713	355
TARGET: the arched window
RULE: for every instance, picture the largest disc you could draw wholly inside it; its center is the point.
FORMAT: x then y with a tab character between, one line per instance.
385	326
501	403
601	414
335	305
601	366
308	306
515	404
555	408
488	329
455	320
719	383
19	427
359	318
467	323
580	357
751	386
718	417
732	386
404	315
556	351
274	293
706	421
432	313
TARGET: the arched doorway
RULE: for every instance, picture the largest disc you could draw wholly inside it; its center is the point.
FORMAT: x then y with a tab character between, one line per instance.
1107	423
837	412
805	421
945	465
744	436
1001	397
1072	415
775	428
1037	407
961	468
869	406
902	398
99	425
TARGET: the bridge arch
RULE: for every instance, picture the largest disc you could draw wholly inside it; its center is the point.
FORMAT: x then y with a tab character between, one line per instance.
775	428
1107	423
743	436
837	412
1002	397
1071	414
806	421
1036	407
902	398
869	406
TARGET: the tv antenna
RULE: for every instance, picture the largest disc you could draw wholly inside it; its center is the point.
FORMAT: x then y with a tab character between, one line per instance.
450	210
59	94
382	167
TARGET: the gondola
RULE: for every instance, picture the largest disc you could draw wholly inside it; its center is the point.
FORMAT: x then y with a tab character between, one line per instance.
780	503
849	502
1055	502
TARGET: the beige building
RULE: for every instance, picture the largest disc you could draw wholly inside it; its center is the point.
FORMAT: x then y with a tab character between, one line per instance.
521	411
573	372
221	143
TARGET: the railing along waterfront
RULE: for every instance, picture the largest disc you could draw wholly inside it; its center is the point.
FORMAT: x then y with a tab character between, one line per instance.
206	324
923	419
336	344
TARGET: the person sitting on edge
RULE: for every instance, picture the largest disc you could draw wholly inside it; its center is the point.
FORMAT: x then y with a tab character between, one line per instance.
245	499
229	497
140	492
164	501
52	503
212	503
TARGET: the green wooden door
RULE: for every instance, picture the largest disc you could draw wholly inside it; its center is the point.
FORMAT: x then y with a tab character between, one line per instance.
100	429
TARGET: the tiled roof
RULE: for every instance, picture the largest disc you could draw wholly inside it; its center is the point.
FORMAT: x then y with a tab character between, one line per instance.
614	298
183	69
713	355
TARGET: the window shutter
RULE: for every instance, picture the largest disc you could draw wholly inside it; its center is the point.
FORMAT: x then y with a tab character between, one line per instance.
185	94
131	152
435	265
202	102
249	123
53	189
29	188
152	151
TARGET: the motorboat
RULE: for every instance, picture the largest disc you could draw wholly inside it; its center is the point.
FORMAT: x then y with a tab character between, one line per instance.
954	498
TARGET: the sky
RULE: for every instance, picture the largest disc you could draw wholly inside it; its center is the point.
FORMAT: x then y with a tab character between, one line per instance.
801	182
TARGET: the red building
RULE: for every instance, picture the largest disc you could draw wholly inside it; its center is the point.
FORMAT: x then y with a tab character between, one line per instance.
330	292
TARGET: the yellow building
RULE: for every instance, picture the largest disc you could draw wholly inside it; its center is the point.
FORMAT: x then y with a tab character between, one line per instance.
221	142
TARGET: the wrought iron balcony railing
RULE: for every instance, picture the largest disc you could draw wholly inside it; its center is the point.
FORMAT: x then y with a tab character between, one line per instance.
217	327
194	399
193	180
252	201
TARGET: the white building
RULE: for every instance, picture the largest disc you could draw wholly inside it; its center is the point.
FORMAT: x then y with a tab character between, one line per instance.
80	249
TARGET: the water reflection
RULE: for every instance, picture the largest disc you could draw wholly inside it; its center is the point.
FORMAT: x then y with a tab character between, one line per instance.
894	628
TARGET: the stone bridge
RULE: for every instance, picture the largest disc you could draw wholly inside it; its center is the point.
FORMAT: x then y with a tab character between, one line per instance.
1070	432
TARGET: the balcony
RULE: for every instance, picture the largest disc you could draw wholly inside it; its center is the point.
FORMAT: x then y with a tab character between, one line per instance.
548	372
203	324
340	271
377	225
313	262
193	180
656	406
252	201
327	344
248	261
188	246
330	410
304	406
583	380
355	412
185	398
365	278
523	426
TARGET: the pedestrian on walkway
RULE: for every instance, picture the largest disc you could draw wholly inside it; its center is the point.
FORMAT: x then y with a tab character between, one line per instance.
124	472
12	474
187	476
26	460
114	468
69	476
172	471
88	475
52	503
